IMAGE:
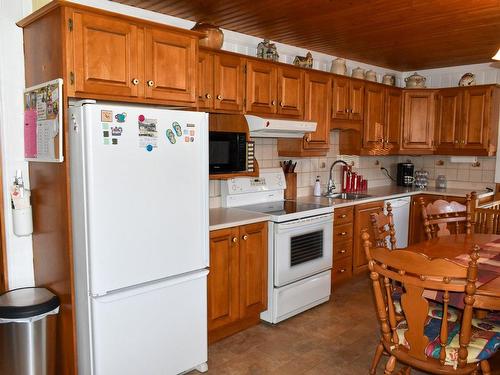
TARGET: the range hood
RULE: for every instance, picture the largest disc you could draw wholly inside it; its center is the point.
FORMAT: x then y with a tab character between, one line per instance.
274	128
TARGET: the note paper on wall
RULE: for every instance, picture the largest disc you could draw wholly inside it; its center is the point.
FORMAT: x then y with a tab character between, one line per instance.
43	122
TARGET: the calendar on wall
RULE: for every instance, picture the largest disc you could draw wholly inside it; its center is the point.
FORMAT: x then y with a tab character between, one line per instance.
43	138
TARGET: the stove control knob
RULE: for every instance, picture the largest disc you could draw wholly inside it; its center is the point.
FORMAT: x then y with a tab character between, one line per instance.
233	187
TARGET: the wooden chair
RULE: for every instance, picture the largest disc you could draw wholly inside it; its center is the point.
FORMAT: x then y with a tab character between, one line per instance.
485	217
439	216
383	227
420	341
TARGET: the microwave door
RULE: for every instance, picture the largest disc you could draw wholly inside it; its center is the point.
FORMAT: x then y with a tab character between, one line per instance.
227	152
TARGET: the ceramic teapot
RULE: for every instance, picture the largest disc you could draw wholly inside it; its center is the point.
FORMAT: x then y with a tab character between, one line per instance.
371	76
358	73
389	79
339	66
214	37
415	81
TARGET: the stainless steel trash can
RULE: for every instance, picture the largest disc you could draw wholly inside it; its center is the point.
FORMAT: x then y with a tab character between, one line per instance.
28	331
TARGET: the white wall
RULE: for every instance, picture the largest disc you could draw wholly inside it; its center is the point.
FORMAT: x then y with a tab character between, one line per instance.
19	249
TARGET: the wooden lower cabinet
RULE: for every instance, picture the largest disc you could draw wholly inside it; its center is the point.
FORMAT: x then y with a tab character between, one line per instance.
237	281
342	245
362	222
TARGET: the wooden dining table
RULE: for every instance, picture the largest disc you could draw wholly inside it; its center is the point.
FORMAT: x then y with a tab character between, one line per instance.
458	247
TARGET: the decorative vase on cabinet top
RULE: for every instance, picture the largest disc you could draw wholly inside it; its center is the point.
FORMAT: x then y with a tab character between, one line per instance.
214	35
415	81
358	73
371	76
389	79
339	66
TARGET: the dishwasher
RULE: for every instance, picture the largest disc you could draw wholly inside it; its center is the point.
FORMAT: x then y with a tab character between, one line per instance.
401	216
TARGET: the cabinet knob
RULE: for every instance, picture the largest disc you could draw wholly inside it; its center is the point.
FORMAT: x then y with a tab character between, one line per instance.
342	233
342	270
208	96
273	102
342	251
245	237
343	216
282	104
346	110
135	81
235	239
456	140
463	141
219	97
307	137
151	83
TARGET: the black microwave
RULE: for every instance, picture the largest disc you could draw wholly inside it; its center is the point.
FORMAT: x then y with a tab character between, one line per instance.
230	152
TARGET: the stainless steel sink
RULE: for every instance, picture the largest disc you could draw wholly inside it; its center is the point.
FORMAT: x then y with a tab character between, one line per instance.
348	196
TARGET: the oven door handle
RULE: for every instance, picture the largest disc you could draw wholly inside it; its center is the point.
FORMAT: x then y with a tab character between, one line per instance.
315	220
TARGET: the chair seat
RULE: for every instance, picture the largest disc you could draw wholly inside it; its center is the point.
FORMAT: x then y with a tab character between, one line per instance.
485	338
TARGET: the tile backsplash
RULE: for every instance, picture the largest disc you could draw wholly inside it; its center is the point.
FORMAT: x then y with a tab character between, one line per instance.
459	175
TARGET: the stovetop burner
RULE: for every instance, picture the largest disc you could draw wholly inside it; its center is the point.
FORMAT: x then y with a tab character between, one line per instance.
279	208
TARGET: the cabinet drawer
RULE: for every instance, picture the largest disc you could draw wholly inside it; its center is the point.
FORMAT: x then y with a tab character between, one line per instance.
342	249
342	232
342	216
342	270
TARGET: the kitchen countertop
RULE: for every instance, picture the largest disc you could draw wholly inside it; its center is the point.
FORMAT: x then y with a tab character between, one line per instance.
391	192
221	218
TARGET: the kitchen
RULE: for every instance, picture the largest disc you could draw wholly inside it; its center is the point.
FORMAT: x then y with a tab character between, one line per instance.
355	122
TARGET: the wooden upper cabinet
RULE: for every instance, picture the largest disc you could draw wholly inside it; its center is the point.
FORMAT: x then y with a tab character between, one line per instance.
476	121
318	93
106	55
228	82
393	117
261	87
340	98
253	269
347	99
205	80
418	122
448	113
223	278
290	92
170	65
374	119
356	96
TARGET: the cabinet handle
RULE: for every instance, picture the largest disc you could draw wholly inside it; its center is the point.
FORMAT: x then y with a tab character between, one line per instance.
342	233
219	97
245	237
235	239
151	83
342	270
342	251
343	216
282	104
273	102
208	96
135	81
307	137
346	110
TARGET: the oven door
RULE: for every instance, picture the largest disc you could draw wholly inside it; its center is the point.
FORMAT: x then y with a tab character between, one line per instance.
302	248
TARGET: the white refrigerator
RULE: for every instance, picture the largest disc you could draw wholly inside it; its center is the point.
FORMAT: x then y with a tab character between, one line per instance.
139	199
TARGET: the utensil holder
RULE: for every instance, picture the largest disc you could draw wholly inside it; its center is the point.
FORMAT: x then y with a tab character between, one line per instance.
291	185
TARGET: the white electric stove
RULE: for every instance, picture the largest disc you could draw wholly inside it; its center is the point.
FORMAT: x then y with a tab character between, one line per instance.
300	242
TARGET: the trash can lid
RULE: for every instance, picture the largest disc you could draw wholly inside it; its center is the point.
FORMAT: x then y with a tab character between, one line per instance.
27	302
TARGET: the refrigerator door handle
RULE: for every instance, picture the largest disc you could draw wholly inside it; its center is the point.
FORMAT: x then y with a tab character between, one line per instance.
119	294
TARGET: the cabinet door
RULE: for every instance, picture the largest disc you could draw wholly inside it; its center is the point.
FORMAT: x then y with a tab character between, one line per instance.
448	107
253	269
340	98
418	120
170	66
356	96
291	92
318	97
229	82
205	80
262	83
223	278
106	55
475	125
393	117
373	129
362	222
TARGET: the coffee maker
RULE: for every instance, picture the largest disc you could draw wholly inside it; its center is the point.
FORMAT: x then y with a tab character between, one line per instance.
405	174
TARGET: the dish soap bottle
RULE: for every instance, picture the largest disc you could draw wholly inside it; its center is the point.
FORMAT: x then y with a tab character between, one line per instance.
317	188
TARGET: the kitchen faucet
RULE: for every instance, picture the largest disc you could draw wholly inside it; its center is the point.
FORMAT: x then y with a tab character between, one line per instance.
330	188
